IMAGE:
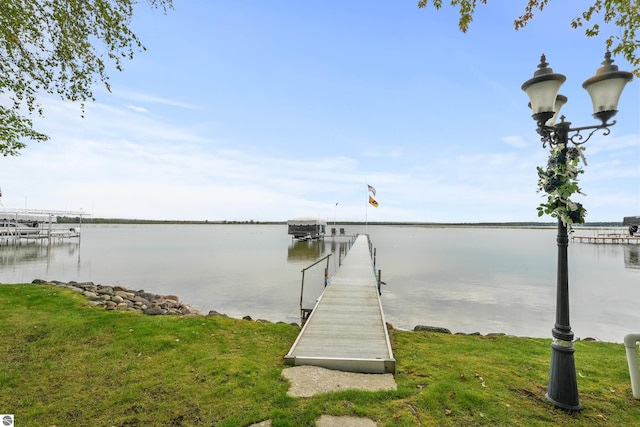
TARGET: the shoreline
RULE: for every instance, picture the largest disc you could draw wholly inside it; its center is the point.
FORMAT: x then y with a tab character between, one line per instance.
120	298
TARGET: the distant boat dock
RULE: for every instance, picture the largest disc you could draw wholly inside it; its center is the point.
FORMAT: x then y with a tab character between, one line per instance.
607	237
347	330
24	226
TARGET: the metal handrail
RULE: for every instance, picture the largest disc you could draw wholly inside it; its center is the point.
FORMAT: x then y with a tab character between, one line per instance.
305	269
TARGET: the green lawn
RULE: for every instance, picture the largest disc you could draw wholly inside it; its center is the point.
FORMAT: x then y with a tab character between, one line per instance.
66	363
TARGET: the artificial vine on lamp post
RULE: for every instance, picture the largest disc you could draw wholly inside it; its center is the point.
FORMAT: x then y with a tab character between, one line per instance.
560	181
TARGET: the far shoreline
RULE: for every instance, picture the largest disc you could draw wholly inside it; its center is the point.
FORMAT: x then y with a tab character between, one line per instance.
484	224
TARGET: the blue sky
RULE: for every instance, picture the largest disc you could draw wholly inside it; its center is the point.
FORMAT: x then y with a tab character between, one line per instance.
250	110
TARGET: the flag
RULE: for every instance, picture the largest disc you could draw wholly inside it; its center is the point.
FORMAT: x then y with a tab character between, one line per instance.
373	190
373	202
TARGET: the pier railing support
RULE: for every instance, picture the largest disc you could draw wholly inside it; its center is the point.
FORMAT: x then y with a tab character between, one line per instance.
374	259
304	312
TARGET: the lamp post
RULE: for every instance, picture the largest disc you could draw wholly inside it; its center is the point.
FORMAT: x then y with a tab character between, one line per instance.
604	89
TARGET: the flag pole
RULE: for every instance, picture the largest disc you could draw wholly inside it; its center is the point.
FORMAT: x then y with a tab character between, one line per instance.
366	213
370	201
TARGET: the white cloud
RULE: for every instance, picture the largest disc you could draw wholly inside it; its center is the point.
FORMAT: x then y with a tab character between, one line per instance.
137	109
515	141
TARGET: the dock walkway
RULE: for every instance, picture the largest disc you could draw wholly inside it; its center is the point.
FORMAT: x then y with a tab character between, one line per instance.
346	330
602	239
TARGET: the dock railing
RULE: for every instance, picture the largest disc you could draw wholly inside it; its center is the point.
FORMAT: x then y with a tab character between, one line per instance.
376	271
607	236
305	312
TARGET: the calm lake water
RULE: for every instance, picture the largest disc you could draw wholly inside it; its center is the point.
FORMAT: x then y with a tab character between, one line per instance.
465	279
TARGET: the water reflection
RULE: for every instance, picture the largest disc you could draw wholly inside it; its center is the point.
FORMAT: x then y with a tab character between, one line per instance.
23	257
12	255
632	257
311	250
305	250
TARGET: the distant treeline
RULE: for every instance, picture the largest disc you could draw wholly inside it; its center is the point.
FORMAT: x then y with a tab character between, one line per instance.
77	220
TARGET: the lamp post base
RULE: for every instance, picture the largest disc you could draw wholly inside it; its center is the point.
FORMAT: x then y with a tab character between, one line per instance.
563	388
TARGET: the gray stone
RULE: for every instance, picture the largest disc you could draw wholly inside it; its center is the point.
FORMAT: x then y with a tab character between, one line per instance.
147	296
214	313
108	290
432	329
155	311
86	285
124	294
189	315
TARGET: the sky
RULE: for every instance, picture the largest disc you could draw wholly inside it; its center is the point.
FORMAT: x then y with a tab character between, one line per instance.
266	111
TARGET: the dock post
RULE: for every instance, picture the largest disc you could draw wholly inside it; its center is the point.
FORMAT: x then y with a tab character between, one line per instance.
375	251
379	282
301	291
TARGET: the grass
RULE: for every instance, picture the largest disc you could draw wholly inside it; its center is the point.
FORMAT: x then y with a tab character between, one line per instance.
66	363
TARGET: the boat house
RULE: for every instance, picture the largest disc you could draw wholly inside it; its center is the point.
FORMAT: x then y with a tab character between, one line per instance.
306	228
633	222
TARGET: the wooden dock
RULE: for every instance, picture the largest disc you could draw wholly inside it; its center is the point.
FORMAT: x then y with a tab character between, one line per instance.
346	330
607	239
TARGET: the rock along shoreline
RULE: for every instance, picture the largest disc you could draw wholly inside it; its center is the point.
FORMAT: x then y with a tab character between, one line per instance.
123	299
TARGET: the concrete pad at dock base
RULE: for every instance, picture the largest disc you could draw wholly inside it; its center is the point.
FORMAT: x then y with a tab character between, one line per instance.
331	421
307	381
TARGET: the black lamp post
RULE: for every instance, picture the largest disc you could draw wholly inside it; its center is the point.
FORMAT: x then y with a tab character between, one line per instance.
604	89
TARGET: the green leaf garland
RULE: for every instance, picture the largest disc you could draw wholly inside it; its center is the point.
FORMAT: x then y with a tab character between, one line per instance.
560	181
